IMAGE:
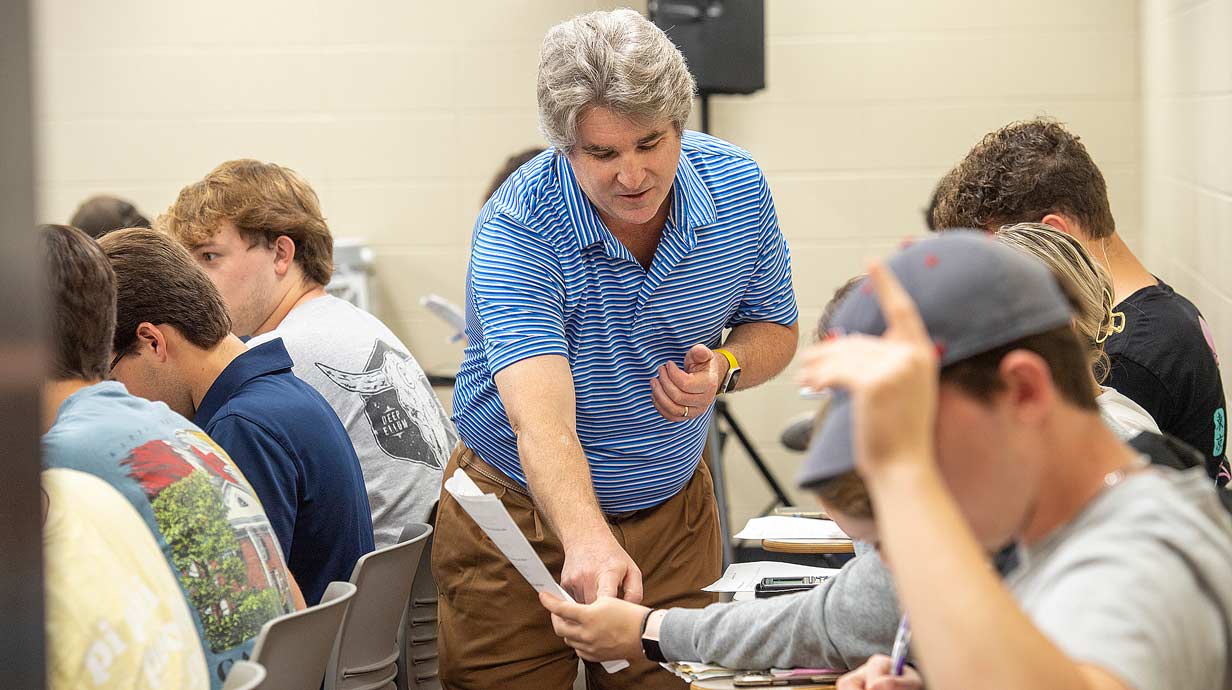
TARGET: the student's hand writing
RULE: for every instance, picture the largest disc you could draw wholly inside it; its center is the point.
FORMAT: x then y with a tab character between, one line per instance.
683	394
606	630
891	378
875	675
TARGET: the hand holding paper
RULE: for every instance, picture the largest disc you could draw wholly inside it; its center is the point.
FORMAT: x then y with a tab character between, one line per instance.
608	628
489	513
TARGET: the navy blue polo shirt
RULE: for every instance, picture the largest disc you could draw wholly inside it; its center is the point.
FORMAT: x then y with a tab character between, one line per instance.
295	453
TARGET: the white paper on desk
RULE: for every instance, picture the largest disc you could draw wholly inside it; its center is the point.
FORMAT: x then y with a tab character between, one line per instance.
743	577
784	527
690	671
489	513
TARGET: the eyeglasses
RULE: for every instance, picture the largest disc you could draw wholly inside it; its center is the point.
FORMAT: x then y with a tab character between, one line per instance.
115	361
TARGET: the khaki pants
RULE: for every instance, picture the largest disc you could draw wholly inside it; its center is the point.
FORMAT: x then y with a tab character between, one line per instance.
494	634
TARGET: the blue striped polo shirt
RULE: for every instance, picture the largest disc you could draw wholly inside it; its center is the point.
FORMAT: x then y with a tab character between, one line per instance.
547	277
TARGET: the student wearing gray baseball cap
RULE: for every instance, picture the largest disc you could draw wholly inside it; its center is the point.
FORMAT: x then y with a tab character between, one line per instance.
983	390
962	421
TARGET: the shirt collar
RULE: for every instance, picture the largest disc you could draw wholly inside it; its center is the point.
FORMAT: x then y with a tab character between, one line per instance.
692	205
267	358
102	388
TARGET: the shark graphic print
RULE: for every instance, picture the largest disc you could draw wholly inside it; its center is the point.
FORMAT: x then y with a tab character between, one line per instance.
399	404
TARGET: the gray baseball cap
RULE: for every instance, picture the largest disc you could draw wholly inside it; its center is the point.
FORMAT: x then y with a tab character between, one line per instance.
973	293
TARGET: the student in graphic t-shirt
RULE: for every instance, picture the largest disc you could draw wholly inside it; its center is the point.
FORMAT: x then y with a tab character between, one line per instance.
1161	352
115	616
257	231
173	343
202	512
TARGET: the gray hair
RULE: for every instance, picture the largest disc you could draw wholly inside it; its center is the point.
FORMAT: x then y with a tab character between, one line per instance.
616	60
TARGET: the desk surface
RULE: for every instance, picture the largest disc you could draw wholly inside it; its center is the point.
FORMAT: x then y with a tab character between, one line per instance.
726	684
808	545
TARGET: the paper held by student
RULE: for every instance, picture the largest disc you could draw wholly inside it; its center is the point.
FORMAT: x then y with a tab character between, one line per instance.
782	527
489	513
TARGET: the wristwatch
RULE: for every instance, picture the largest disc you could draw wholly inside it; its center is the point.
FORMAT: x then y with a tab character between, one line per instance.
650	643
733	372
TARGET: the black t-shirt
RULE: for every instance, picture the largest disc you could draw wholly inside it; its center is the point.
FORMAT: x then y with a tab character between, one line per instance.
1165	361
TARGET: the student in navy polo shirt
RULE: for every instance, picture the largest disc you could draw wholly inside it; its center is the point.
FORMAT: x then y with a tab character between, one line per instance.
173	343
603	274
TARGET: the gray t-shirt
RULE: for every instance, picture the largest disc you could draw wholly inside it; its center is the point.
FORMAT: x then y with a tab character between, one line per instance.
1140	583
839	624
399	427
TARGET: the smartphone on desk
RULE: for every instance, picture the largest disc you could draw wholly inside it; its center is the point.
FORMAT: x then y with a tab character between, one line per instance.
774	586
798	676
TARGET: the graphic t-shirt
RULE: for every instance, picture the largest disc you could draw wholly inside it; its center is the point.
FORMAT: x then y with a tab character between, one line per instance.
1165	361
398	426
115	617
200	509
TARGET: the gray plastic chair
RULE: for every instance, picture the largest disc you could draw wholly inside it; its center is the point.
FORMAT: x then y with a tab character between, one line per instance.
417	662
366	655
244	675
296	648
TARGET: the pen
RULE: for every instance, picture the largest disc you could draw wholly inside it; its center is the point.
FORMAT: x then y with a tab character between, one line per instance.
902	640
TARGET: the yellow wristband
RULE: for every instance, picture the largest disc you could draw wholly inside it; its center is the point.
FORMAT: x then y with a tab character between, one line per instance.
731	359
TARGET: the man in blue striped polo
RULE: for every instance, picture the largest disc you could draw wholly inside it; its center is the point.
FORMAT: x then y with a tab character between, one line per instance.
602	274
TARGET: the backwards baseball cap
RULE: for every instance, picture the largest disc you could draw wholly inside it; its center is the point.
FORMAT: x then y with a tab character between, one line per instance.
974	295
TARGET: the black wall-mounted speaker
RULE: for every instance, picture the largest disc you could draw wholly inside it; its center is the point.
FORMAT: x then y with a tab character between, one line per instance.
724	41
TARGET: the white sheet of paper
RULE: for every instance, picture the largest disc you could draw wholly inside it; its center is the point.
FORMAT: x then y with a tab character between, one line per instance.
489	513
690	671
783	527
743	577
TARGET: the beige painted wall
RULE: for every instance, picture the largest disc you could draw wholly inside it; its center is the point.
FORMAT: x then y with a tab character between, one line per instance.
398	111
1187	154
869	103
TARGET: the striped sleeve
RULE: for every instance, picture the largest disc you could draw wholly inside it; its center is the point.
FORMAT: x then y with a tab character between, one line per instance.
519	294
769	296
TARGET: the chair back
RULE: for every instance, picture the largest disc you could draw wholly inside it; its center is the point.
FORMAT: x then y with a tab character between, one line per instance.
366	654
295	648
417	661
244	675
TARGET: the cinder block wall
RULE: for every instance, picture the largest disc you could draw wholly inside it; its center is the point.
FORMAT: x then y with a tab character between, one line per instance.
398	113
1187	154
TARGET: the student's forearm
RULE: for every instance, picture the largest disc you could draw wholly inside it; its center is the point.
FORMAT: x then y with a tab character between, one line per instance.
966	627
559	478
763	350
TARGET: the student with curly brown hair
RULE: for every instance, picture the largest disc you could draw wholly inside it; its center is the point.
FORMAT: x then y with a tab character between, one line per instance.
1161	355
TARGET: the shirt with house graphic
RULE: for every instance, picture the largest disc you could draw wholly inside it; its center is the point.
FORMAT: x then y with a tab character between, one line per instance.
201	510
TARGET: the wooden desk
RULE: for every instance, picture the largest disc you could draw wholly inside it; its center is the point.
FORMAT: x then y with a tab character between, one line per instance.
808	545
726	684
